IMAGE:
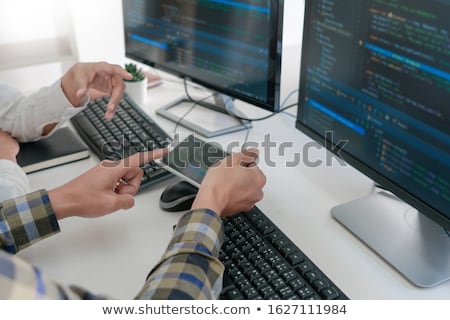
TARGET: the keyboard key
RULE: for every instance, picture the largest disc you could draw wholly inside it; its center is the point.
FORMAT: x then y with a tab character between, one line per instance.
294	258
320	285
329	294
234	294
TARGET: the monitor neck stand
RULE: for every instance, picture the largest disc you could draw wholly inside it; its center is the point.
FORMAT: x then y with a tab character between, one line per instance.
411	242
223	104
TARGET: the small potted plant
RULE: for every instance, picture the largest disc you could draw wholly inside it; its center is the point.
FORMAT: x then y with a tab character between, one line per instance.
136	88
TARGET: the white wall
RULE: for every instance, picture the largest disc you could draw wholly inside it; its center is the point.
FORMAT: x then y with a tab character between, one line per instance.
292	40
98	28
36	41
293	22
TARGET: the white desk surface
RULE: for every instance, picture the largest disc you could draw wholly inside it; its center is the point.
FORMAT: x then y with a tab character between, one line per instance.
113	254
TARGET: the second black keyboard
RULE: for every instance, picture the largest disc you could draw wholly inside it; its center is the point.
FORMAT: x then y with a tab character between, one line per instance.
262	263
130	131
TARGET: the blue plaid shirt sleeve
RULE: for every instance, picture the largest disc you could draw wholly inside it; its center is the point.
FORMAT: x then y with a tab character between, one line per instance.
189	269
26	220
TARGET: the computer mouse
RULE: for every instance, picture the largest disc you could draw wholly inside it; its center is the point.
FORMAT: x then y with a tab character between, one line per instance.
179	196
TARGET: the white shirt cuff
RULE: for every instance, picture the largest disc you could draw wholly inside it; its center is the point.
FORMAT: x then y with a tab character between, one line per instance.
58	108
13	180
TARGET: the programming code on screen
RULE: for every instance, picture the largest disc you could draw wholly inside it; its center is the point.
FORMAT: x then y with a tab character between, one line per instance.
380	77
224	43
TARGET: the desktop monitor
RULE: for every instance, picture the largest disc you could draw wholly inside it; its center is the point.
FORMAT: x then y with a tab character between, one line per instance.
230	47
375	79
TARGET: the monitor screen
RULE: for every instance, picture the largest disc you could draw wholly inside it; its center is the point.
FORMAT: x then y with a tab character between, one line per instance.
377	75
374	88
232	47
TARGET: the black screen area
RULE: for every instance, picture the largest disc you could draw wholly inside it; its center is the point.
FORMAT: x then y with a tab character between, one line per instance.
233	47
377	74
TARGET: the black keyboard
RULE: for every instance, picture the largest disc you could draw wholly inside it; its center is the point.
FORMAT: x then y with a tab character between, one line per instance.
130	131
262	263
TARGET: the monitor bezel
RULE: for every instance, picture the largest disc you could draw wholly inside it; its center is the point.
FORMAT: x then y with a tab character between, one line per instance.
275	64
420	204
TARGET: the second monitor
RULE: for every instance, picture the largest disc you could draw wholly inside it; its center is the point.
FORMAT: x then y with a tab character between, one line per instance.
374	88
230	47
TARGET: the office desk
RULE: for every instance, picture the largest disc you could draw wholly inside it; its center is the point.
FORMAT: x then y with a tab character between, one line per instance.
113	254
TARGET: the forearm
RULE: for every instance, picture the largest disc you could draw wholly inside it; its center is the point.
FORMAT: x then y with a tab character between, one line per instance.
189	269
28	118
25	220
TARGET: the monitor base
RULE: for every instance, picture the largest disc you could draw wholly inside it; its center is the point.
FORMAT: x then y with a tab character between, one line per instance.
412	243
214	120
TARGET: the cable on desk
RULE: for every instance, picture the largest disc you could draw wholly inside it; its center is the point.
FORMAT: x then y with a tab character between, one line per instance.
270	115
246	134
282	109
241	119
290	114
195	104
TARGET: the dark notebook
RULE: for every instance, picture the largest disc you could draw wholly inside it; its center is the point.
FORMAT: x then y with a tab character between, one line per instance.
61	147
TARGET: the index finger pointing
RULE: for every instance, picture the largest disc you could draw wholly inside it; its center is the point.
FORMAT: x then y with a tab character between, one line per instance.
118	87
142	158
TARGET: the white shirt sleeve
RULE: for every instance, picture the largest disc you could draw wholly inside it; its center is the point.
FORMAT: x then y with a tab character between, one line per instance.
13	181
25	117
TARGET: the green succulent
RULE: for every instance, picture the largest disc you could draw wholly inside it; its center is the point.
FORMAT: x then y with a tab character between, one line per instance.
137	73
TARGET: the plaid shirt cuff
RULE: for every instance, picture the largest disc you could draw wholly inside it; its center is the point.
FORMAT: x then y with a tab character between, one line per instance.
199	226
189	269
26	220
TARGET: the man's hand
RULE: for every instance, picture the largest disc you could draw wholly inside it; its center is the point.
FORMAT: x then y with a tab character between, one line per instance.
232	186
106	188
96	79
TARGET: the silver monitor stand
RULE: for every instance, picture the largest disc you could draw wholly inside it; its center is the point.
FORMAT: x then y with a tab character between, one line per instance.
224	105
411	242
